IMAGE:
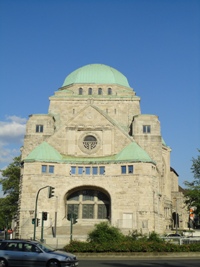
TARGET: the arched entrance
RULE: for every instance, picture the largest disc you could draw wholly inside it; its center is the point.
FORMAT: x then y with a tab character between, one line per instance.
88	203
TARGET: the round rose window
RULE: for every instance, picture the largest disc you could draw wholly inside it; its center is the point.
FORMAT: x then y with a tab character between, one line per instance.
90	142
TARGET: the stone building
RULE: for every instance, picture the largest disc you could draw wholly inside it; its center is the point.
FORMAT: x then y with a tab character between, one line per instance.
106	160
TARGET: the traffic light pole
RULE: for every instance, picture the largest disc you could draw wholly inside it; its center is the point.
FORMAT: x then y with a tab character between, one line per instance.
36	201
42	230
71	227
73	219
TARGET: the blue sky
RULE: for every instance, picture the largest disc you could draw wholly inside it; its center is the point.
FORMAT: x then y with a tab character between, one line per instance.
154	43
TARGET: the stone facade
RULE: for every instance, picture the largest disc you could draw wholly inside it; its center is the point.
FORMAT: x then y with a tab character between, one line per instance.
106	161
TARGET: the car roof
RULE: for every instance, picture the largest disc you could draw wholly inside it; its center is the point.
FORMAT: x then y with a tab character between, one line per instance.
20	240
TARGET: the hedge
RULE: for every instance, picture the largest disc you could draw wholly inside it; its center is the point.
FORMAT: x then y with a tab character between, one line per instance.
134	246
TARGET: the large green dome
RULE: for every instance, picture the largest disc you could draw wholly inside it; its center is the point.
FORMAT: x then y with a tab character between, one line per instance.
97	74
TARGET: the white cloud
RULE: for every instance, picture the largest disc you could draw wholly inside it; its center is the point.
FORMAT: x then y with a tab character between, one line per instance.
12	132
17	119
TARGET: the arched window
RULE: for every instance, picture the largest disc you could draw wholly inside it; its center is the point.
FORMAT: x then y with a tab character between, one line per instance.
99	91
89	204
109	91
80	91
90	91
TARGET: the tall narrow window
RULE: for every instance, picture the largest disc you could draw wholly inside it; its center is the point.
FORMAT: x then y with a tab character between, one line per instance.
103	211
90	91
73	170
100	91
44	168
80	170
94	170
87	170
109	91
39	128
51	169
73	208
88	211
146	128
101	170
130	169
80	91
123	169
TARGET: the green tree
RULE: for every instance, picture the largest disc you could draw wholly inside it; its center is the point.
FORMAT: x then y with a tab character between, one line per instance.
10	185
193	188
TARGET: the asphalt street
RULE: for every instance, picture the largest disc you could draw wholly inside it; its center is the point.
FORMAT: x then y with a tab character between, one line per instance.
139	263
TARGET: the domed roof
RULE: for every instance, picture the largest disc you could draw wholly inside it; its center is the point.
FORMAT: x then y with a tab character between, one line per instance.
97	74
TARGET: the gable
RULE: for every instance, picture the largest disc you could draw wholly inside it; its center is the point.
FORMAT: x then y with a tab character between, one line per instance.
109	137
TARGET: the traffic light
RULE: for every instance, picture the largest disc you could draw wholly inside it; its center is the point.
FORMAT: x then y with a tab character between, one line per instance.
37	221
69	216
72	217
75	218
44	216
51	191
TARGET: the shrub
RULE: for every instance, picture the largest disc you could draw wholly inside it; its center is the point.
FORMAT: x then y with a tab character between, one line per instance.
135	235
129	246
79	246
155	237
106	238
104	232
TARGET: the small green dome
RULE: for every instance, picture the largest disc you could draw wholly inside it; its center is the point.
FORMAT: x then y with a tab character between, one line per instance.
97	74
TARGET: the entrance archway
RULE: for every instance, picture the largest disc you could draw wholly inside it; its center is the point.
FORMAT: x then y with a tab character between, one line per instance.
88	203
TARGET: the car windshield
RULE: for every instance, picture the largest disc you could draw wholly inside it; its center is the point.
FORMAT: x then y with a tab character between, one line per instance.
45	247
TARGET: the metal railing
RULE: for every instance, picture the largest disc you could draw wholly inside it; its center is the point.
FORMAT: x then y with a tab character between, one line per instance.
181	240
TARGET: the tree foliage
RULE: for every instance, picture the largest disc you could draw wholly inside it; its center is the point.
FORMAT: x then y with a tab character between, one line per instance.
10	185
193	188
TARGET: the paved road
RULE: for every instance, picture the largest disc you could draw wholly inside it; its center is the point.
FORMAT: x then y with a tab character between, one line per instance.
139	263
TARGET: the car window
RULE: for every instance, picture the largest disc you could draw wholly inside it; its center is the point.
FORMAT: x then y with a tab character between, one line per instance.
45	248
13	246
30	248
2	244
27	247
